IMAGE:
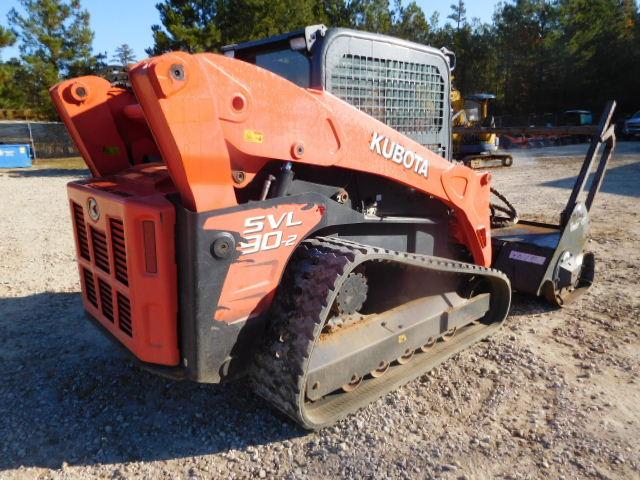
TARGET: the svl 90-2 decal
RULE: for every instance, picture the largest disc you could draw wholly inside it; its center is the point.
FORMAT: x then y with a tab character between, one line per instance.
267	232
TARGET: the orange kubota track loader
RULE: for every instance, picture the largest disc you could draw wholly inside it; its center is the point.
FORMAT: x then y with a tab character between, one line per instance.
289	212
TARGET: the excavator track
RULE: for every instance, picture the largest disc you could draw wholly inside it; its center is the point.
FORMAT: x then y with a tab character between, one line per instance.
299	357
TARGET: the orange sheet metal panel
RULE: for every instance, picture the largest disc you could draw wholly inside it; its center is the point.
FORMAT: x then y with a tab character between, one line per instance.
137	304
106	124
269	237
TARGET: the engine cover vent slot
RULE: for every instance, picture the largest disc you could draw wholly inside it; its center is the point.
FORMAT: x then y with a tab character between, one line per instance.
90	287
81	232
118	247
124	315
106	299
100	251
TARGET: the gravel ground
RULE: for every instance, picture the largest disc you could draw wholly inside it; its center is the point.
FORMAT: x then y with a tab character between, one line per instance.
554	394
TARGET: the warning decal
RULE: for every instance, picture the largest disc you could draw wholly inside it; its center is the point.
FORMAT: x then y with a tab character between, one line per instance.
527	257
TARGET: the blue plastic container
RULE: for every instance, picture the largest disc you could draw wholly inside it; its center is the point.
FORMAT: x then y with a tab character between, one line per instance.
15	156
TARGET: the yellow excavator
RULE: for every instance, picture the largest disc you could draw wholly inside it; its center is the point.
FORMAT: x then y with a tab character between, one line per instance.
476	150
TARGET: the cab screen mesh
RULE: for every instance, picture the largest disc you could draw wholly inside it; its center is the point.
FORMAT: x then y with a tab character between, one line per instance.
409	97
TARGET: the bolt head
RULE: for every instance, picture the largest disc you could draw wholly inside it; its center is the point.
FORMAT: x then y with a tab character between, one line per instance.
297	150
223	246
238	176
177	72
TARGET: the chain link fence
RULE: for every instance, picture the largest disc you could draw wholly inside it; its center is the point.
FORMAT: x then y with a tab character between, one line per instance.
48	139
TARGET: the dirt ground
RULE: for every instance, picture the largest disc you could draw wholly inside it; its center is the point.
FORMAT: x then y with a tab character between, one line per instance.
555	394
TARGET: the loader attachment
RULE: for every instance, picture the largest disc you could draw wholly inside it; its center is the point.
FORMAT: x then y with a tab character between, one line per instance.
549	260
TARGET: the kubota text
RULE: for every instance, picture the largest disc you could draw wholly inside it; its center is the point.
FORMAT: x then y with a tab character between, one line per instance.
399	154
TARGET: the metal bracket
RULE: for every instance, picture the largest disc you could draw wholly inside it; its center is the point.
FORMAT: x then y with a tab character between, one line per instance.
451	58
311	34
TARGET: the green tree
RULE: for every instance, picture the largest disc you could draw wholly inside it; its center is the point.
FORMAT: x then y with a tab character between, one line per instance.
336	13
536	55
458	13
55	42
372	15
11	96
526	40
242	20
600	46
207	25
187	25
7	37
12	78
411	23
124	55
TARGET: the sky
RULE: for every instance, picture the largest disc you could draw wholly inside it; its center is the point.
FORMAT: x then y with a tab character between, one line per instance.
129	21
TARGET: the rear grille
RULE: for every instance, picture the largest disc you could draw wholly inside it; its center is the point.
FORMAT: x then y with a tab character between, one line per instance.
106	299
90	287
100	252
106	253
124	315
81	231
119	250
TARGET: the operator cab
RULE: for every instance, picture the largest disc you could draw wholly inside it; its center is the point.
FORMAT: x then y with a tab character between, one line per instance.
479	109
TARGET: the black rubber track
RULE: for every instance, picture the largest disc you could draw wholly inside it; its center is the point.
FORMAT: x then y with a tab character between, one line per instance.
302	305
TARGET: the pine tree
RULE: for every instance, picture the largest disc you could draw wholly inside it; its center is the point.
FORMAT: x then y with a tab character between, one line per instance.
188	25
373	16
242	20
7	37
124	55
458	13
55	43
336	13
411	23
11	95
207	25
600	44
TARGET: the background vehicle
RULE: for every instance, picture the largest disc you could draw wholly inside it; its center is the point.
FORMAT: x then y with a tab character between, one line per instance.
575	118
476	150
631	126
301	222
